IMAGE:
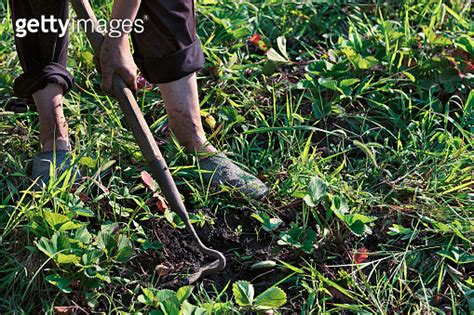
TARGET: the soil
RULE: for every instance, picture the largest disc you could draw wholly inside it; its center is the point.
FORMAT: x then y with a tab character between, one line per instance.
236	235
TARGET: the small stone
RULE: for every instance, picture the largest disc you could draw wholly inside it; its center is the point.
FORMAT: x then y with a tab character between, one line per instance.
164	269
267	264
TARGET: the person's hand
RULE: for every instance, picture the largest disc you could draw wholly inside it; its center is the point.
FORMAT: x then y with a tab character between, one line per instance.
116	58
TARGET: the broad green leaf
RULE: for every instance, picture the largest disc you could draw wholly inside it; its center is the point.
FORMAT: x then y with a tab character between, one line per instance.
328	83
271	299
273	55
58	248
170	306
91	257
316	191
70	225
46	246
348	82
321	108
189	309
298	237
218	308
339	204
62	283
466	43
269	224
357	227
358	223
60	222
183	293
164	295
148	296
124	249
103	277
243	293
82	235
65	259
106	242
88	161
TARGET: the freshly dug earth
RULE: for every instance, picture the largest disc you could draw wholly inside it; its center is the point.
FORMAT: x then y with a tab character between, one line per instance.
236	235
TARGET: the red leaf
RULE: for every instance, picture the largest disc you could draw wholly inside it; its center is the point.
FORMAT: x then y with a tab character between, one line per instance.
469	67
256	41
143	84
160	202
157	199
148	180
84	198
361	255
255	38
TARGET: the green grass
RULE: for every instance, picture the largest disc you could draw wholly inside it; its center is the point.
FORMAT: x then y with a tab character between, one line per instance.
361	122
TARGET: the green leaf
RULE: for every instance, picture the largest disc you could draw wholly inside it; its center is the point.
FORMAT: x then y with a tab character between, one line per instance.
88	57
170	306
357	223
148	297
271	299
124	249
269	224
298	237
84	212
106	241
397	229
218	308
183	293
62	283
357	228
273	55
466	43
243	293
57	248
82	235
47	247
281	43
328	83
316	191
88	161
60	222
409	76
65	259
348	82
321	108
91	257
189	309
339	205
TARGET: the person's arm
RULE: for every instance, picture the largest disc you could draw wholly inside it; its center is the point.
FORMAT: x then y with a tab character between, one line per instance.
116	56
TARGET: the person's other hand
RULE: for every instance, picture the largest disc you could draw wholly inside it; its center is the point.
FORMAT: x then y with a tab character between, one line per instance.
116	58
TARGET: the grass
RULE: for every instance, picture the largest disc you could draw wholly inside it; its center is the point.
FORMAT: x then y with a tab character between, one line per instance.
360	120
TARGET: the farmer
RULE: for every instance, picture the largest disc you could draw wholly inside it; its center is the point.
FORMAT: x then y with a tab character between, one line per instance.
167	52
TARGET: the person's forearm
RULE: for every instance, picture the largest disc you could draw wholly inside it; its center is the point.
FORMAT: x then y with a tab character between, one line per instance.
125	10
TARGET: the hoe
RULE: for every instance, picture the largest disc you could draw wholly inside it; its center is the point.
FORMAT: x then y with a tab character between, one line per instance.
149	148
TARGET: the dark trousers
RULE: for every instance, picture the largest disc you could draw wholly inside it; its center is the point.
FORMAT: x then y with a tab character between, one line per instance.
167	50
